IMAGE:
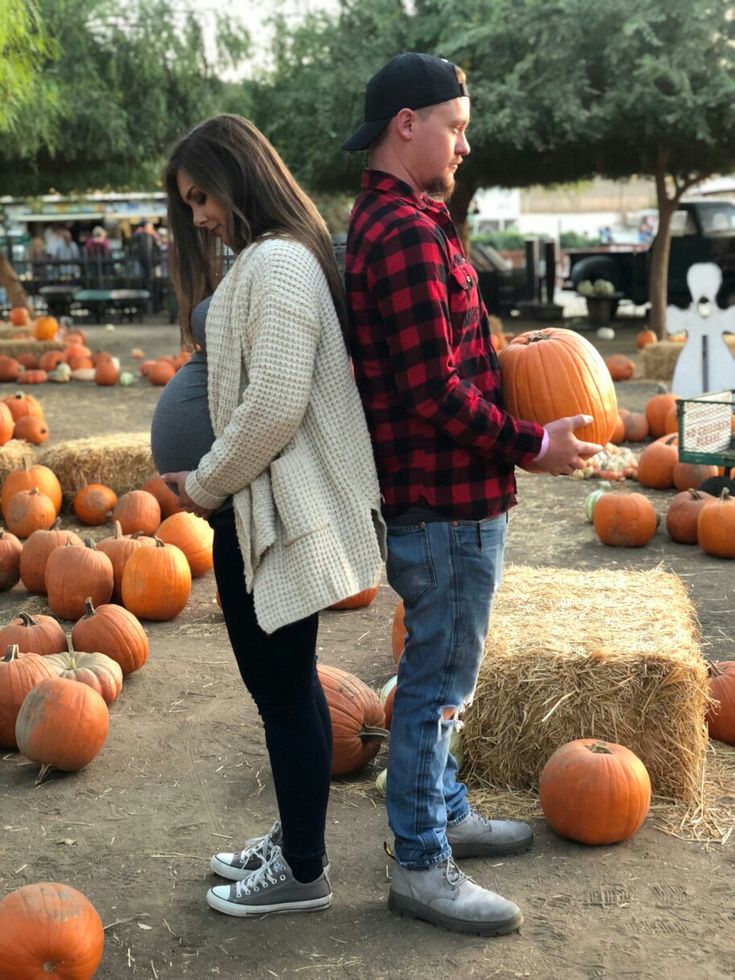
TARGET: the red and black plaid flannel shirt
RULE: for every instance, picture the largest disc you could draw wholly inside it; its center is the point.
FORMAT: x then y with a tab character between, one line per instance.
424	361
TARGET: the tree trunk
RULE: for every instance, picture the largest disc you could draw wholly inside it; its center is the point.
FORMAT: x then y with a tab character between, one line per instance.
658	284
17	296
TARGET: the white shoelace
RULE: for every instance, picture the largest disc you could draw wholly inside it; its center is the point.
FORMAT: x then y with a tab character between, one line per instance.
262	847
454	876
266	874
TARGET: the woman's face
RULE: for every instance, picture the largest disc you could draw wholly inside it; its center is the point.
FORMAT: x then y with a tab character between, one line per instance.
207	211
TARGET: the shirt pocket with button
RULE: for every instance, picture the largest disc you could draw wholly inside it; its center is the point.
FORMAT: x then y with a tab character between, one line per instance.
464	300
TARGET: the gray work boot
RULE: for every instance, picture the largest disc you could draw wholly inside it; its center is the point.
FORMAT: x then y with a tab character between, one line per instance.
272	888
475	836
446	897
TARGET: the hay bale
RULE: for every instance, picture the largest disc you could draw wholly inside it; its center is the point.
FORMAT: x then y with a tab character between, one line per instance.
659	360
583	654
11	348
122	461
14	455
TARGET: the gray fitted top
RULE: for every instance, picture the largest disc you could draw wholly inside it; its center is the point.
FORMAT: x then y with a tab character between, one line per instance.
181	430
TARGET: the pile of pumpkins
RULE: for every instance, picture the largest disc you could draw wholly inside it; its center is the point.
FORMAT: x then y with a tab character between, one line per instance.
22	417
146	564
694	516
76	362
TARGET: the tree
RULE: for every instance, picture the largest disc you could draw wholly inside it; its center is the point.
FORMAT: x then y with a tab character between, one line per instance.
561	90
126	83
24	47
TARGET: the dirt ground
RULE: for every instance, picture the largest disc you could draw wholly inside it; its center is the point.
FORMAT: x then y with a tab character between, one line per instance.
184	773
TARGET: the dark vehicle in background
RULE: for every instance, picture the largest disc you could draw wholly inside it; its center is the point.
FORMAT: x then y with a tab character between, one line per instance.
701	231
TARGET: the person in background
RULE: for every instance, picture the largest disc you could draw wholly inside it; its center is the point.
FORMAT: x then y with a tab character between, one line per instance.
276	453
445	449
37	255
64	248
97	245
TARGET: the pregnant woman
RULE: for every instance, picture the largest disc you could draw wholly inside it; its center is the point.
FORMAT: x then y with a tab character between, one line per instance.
285	473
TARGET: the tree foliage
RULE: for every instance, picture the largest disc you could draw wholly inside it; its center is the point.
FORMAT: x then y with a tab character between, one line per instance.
23	49
128	80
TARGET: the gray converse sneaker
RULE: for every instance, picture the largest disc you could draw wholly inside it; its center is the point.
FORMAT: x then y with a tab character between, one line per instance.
446	897
475	836
272	888
240	864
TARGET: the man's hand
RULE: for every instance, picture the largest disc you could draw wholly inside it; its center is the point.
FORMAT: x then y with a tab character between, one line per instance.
565	453
176	482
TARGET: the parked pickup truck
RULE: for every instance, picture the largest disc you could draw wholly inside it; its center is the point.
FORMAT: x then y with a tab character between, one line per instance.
701	231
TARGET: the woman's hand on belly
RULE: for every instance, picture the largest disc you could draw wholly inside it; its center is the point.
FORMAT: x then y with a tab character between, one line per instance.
177	484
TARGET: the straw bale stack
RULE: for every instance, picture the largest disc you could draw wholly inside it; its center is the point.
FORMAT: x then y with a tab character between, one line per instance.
122	461
659	360
14	455
10	347
581	654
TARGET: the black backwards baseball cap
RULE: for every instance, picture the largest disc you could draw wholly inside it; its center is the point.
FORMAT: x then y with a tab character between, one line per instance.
407	81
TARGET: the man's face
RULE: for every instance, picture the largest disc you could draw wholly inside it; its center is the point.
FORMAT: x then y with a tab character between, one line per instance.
439	146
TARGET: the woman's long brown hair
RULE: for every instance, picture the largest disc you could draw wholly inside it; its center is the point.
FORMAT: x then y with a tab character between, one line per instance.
228	157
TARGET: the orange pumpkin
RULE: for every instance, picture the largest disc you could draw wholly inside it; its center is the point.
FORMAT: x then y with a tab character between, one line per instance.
358	719
32	429
716	526
683	515
618	432
7	424
161	372
398	632
595	792
97	670
93	503
21	404
32	377
167	499
76	336
62	725
28	477
48	928
50	359
10	368
106	373
19	316
645	337
29	511
357	601
656	465
45	328
624	520
72	574
156	582
19	672
114	631
621	368
118	548
657	408
690	476
551	373
28	361
137	510
721	717
35	554
193	535
34	634
635	426
10	552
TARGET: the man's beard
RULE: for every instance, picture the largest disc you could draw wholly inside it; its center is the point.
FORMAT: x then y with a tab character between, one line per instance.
441	188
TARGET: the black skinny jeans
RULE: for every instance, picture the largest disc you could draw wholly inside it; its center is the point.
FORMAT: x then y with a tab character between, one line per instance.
279	671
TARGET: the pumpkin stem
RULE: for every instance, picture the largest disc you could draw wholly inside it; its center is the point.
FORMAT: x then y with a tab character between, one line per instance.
725	493
89	609
89	543
11	653
26	619
600	748
369	732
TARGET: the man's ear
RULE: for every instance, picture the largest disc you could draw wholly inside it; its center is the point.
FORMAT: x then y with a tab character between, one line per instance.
405	121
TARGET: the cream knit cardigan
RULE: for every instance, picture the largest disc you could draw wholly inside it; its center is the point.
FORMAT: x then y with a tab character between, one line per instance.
291	442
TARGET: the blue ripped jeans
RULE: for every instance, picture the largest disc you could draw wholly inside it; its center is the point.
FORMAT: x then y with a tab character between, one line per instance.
446	573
